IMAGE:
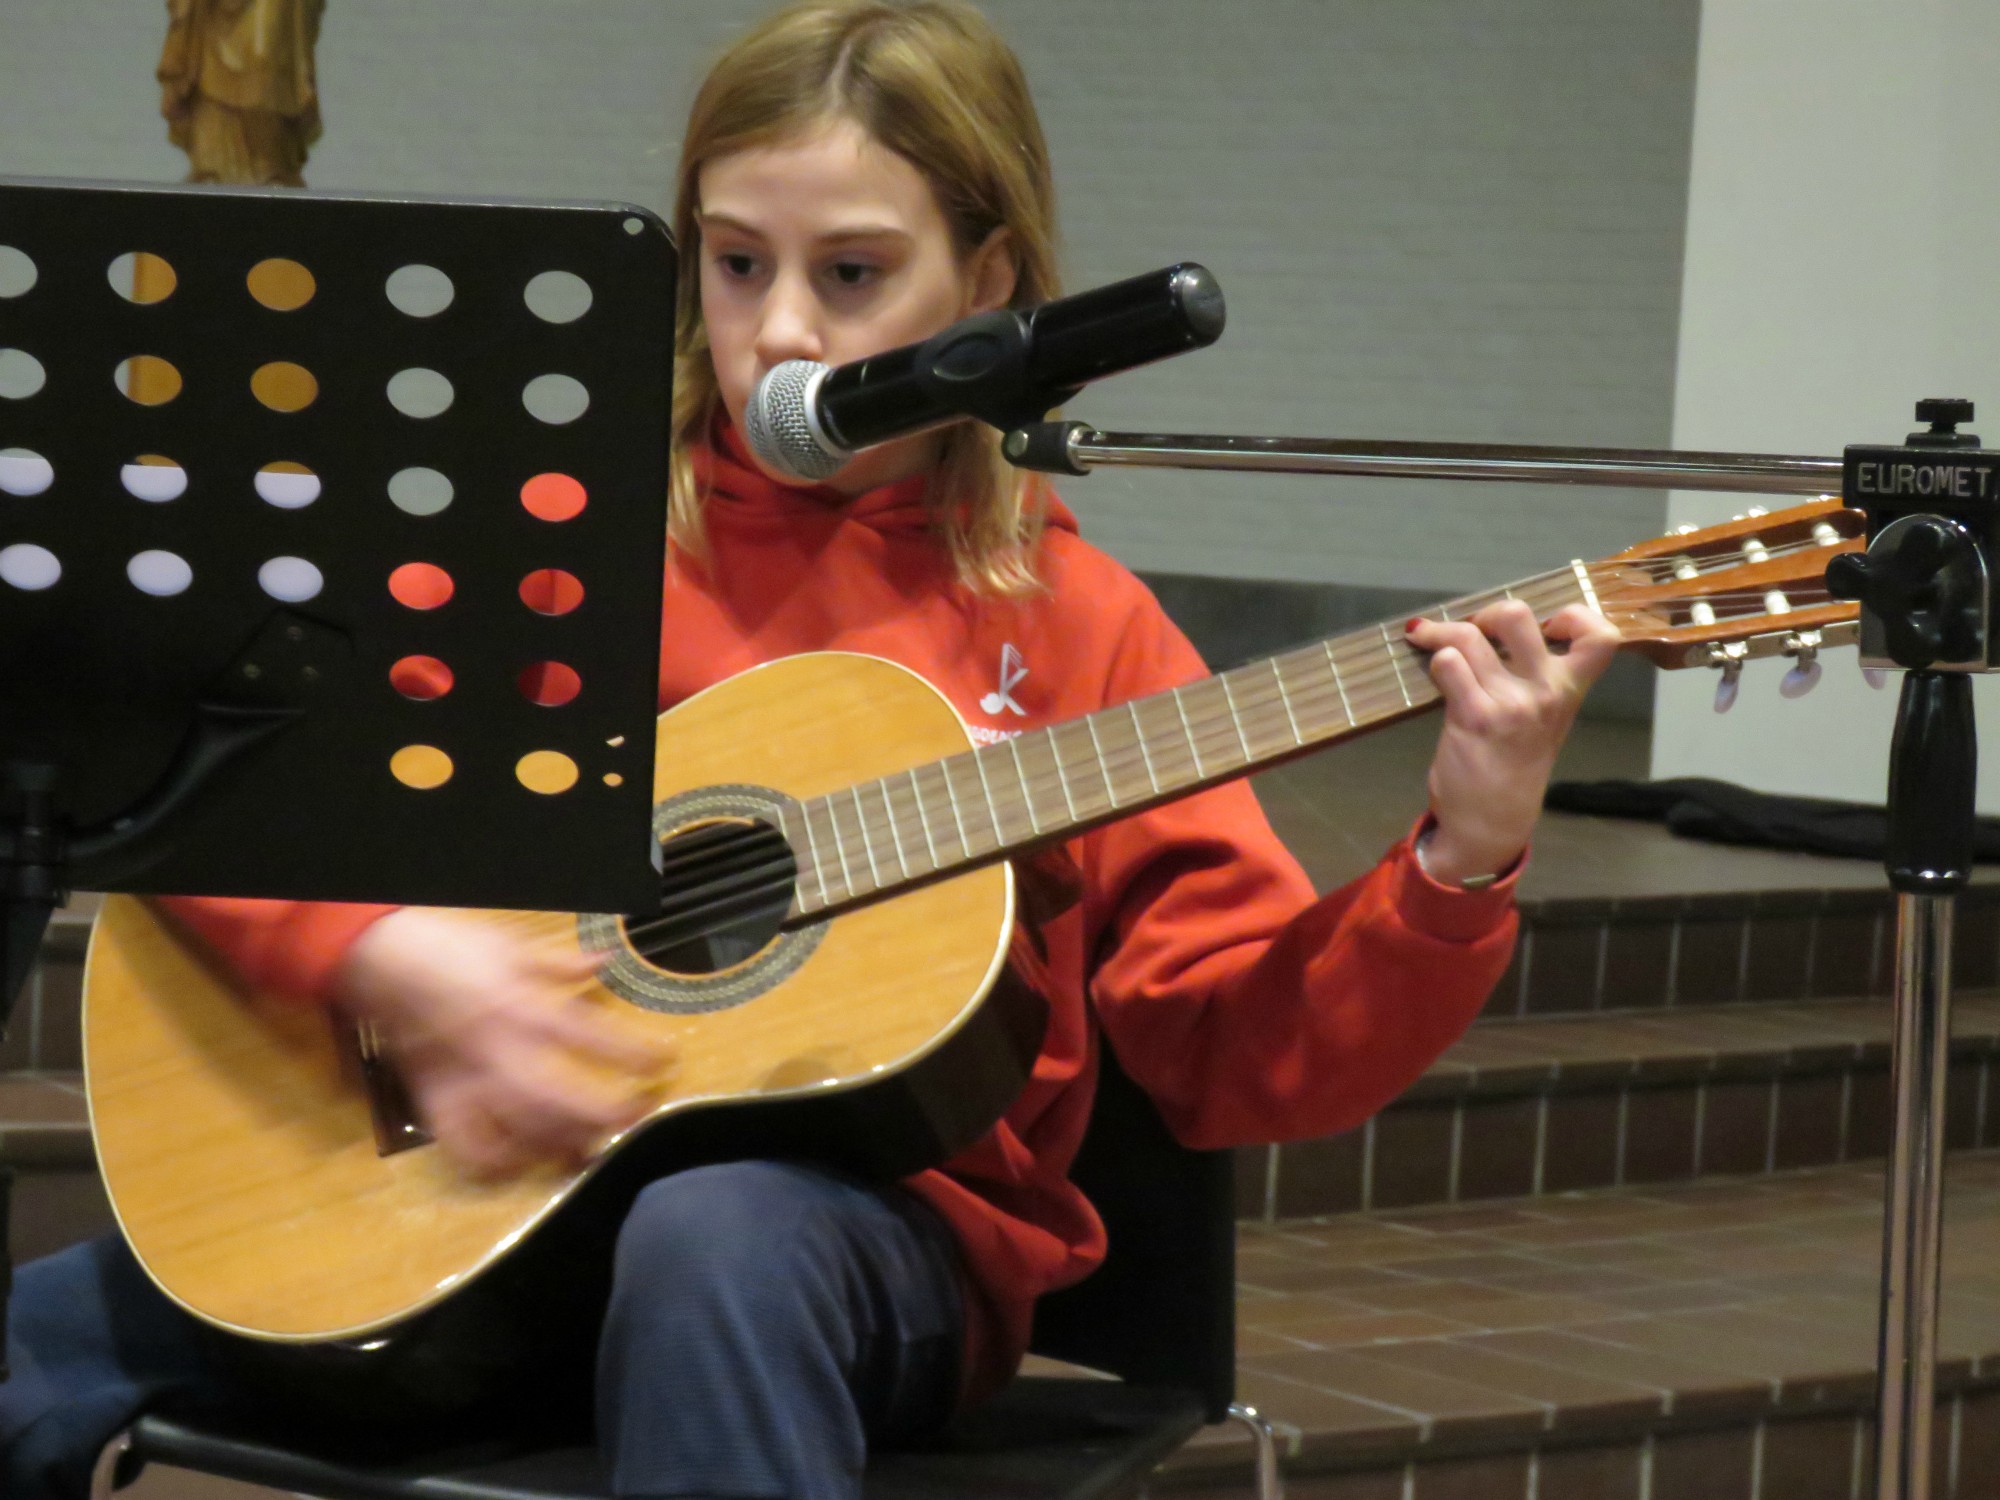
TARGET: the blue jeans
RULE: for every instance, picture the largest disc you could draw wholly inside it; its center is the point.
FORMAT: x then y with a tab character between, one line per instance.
758	1325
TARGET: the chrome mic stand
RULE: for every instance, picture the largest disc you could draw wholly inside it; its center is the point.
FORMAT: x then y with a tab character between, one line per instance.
1924	591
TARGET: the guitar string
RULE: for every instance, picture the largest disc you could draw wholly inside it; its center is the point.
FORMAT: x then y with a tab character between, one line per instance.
1260	712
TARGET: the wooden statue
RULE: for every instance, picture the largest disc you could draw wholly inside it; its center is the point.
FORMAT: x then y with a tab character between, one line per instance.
238	90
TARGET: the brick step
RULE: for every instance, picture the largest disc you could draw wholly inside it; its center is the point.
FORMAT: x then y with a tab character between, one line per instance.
1712	1340
1554	1104
1724	948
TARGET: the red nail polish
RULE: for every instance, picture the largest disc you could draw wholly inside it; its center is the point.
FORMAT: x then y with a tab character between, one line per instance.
1413	622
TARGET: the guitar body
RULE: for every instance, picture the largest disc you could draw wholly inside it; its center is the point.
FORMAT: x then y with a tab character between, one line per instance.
239	1143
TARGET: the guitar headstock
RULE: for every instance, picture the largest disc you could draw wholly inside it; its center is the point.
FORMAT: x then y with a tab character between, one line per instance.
1715	596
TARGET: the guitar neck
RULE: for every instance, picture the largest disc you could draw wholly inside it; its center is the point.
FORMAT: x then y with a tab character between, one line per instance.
1045	785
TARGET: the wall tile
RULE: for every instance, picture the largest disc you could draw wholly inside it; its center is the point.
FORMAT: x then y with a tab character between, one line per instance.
1320	1176
1735	1127
1497	1148
1498	1476
62	1015
1659	1135
1252	1172
1870	1113
1808	1121
1580	1149
1563	968
1776	969
1703	1465
1637	964
1809	1460
1843	952
1588	1474
53	1210
1412	1156
1708	968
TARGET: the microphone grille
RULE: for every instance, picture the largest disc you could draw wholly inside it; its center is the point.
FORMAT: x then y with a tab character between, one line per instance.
779	423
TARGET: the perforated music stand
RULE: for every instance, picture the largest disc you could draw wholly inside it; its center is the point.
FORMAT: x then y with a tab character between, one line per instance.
222	677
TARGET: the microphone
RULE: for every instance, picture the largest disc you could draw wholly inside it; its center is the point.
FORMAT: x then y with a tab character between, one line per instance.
1006	367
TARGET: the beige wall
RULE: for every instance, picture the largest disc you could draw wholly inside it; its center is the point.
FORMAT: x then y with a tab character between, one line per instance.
1434	218
1843	217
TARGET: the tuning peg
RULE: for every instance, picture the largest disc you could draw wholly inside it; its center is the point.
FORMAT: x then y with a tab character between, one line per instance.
1729	661
1802	679
1726	689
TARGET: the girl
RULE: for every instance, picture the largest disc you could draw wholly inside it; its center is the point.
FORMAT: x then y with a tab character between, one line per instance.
856	175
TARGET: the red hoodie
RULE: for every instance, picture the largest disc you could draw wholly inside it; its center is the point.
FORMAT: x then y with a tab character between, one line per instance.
1249	1010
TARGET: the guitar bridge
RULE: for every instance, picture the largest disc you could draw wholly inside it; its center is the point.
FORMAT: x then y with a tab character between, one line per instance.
389	1106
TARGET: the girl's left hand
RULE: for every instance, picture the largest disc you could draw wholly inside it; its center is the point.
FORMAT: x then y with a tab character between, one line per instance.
1508	704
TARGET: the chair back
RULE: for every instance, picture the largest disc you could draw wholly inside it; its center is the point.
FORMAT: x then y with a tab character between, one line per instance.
1161	1310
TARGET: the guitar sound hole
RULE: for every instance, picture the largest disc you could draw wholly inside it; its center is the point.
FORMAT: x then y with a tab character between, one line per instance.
725	889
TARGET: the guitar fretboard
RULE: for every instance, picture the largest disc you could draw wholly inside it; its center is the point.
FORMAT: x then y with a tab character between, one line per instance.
1043	785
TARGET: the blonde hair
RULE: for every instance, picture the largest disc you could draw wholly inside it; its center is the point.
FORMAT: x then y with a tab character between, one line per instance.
932	81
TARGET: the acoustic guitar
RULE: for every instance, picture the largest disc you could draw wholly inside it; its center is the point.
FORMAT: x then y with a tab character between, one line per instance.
828	955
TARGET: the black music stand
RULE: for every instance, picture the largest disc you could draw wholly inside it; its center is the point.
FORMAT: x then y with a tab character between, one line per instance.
221	673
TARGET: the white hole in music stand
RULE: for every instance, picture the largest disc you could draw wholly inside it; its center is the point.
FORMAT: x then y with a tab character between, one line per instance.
24	472
17	272
558	296
123	274
420	393
419	291
419	491
28	566
286	490
290	580
159	573
21	375
555	399
154	483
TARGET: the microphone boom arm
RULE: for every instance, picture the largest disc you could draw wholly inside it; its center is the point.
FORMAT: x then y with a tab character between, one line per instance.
1077	448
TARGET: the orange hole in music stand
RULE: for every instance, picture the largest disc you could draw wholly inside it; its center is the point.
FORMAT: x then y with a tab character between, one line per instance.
551	591
553	497
549	683
421	677
420	585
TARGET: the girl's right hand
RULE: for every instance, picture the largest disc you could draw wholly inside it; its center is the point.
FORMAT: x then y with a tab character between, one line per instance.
508	1060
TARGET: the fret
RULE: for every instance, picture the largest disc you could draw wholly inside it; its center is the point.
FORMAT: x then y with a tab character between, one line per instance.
1139	732
992	809
839	843
957	812
1103	765
1027	792
1338	686
867	844
1278	676
924	820
1586	590
895	833
1062	776
1236	719
1169	752
1389	642
811	853
1188	730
